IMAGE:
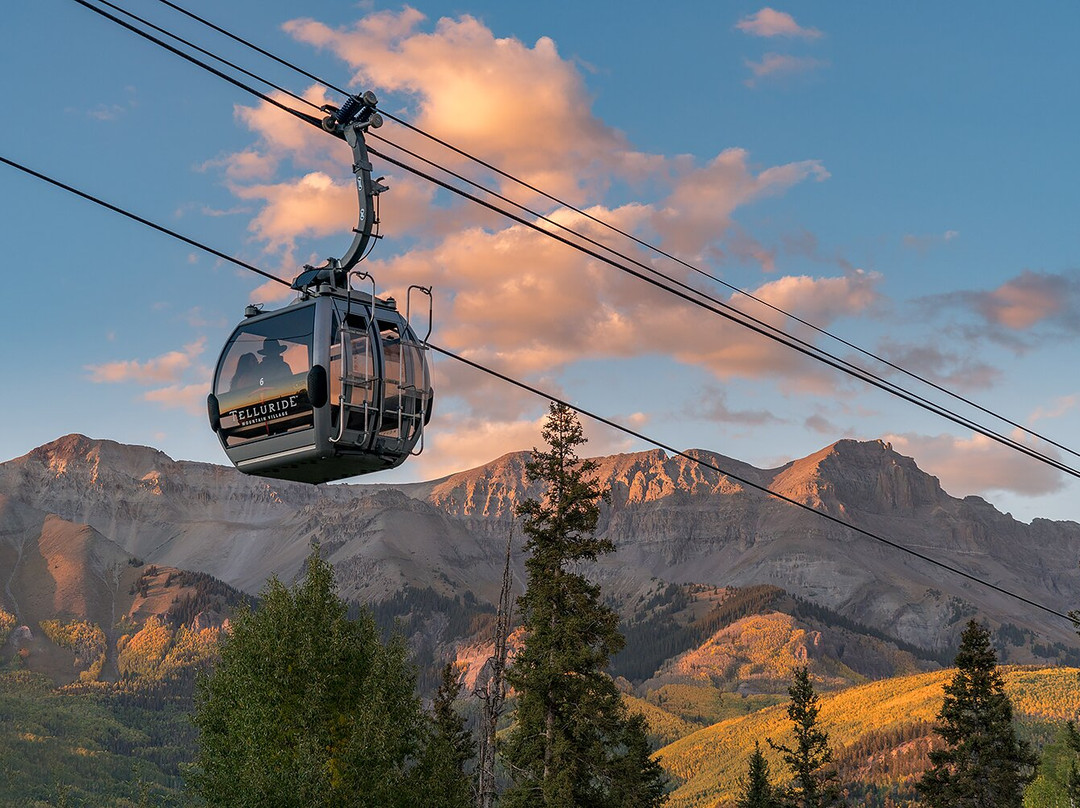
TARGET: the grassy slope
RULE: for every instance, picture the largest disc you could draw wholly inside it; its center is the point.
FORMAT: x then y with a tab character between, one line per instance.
709	763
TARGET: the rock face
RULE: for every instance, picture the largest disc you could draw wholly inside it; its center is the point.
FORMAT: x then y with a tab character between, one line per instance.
670	518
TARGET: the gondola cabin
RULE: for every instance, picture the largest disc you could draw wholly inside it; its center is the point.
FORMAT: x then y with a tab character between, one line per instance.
334	385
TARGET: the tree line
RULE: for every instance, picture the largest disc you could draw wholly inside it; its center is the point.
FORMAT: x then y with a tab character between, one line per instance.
309	705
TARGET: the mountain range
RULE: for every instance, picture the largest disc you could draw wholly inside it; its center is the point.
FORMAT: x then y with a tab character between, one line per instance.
672	521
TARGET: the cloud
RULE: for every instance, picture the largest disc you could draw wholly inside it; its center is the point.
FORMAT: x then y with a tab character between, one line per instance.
165	368
769	23
189	397
713	406
779	65
468	442
697	212
1027	299
1021	303
496	97
978	465
313	205
822	425
1057	408
924	243
947	368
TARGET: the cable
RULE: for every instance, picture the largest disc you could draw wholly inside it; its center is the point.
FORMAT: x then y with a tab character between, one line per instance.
782	497
235	82
255	48
140	219
205	52
599	418
761	328
625	234
794	343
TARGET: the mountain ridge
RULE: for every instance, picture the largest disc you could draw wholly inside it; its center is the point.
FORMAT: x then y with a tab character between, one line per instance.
670	519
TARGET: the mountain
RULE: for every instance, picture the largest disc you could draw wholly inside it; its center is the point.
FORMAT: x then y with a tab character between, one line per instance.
672	521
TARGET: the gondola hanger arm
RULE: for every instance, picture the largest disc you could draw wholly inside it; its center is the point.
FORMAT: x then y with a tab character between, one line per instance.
349	122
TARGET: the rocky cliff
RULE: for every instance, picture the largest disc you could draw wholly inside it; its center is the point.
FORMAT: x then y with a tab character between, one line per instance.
670	518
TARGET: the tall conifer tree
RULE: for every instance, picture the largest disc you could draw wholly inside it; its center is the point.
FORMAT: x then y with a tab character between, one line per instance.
574	743
450	748
815	782
983	762
757	791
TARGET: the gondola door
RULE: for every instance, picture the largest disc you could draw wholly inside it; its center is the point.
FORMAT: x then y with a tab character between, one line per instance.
355	389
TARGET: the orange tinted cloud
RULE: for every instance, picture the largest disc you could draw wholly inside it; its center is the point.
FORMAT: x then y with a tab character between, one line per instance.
1021	303
506	295
496	97
188	397
165	368
1025	300
698	210
517	301
769	22
978	465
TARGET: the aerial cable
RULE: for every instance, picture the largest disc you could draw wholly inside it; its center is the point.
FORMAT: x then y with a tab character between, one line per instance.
785	338
256	48
749	483
203	51
234	81
803	348
141	220
651	247
788	340
599	418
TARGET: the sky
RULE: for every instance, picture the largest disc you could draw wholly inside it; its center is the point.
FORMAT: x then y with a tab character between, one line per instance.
901	175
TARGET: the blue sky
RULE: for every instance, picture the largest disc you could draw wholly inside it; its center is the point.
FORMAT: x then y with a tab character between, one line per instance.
901	175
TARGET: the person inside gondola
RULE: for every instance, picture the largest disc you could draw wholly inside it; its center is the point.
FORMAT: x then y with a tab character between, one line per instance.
272	366
247	372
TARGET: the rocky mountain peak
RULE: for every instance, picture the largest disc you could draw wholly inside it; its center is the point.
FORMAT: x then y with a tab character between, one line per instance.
87	457
865	475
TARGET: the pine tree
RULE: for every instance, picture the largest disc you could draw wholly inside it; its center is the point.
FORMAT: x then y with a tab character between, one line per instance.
1072	784
983	762
449	749
309	709
757	791
815	783
574	743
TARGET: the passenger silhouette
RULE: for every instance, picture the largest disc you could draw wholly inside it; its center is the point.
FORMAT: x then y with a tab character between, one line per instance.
247	372
272	366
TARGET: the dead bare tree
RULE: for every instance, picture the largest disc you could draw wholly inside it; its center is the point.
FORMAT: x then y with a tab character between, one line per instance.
492	690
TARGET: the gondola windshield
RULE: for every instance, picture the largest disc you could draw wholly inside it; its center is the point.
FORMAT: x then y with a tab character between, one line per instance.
261	383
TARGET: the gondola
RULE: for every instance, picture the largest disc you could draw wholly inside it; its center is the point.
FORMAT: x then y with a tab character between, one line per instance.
335	384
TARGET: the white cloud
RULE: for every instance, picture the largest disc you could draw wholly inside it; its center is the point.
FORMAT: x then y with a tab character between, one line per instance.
769	22
777	65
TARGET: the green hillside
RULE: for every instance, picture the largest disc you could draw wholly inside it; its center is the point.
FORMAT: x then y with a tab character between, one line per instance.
879	732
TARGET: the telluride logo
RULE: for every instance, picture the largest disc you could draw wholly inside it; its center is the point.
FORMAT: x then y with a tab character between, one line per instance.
268	410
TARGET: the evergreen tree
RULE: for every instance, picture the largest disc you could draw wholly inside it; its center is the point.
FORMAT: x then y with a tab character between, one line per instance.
450	748
758	792
815	782
983	762
1072	785
574	743
308	708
